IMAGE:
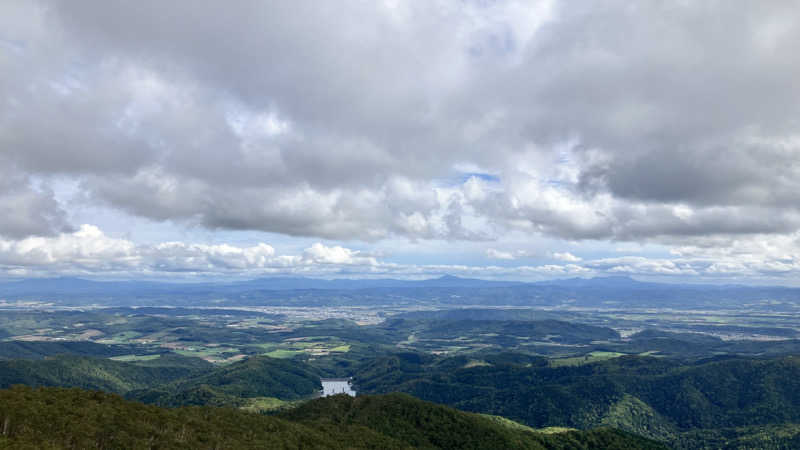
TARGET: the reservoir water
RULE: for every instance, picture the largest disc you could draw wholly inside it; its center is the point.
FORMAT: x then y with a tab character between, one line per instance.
333	386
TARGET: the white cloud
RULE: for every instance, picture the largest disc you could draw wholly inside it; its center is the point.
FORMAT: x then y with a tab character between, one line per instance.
566	257
86	247
210	134
179	256
639	265
422	121
497	254
321	254
88	251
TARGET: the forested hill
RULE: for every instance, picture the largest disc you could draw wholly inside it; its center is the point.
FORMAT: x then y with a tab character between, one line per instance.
232	385
95	373
170	380
687	405
55	418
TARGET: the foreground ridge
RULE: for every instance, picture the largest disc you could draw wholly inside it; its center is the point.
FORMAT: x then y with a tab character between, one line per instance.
54	418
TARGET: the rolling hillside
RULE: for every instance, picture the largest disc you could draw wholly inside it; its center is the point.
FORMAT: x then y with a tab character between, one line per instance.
52	418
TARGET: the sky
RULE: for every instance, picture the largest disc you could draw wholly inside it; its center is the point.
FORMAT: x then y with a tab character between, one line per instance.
523	140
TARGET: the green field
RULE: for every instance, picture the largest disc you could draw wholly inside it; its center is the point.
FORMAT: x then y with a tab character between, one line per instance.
131	358
312	345
121	338
585	359
283	354
260	404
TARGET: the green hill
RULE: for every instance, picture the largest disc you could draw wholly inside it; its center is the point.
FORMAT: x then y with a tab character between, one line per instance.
39	350
170	379
93	373
54	418
663	399
428	425
257	376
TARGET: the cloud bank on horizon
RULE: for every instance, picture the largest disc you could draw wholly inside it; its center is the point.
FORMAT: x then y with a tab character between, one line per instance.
514	139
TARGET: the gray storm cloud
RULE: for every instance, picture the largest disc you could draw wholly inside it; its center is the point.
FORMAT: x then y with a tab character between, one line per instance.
27	209
615	120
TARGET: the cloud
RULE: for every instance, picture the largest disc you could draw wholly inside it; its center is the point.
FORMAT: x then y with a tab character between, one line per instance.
88	251
182	257
492	253
497	254
566	257
321	254
620	121
27	209
85	248
641	266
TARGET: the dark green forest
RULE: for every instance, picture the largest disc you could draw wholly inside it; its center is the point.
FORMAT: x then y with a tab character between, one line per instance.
56	418
676	402
703	404
522	369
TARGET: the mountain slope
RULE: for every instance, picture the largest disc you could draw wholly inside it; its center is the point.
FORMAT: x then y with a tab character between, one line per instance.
52	418
38	350
428	425
663	399
257	376
91	373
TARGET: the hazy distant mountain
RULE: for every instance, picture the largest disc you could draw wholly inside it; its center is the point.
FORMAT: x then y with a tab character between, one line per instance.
65	285
284	283
72	284
619	282
299	291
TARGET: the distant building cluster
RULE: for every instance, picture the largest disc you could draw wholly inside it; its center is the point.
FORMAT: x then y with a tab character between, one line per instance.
333	386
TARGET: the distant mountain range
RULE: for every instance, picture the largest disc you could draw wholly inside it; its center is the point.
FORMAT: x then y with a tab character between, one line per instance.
61	284
447	281
301	291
